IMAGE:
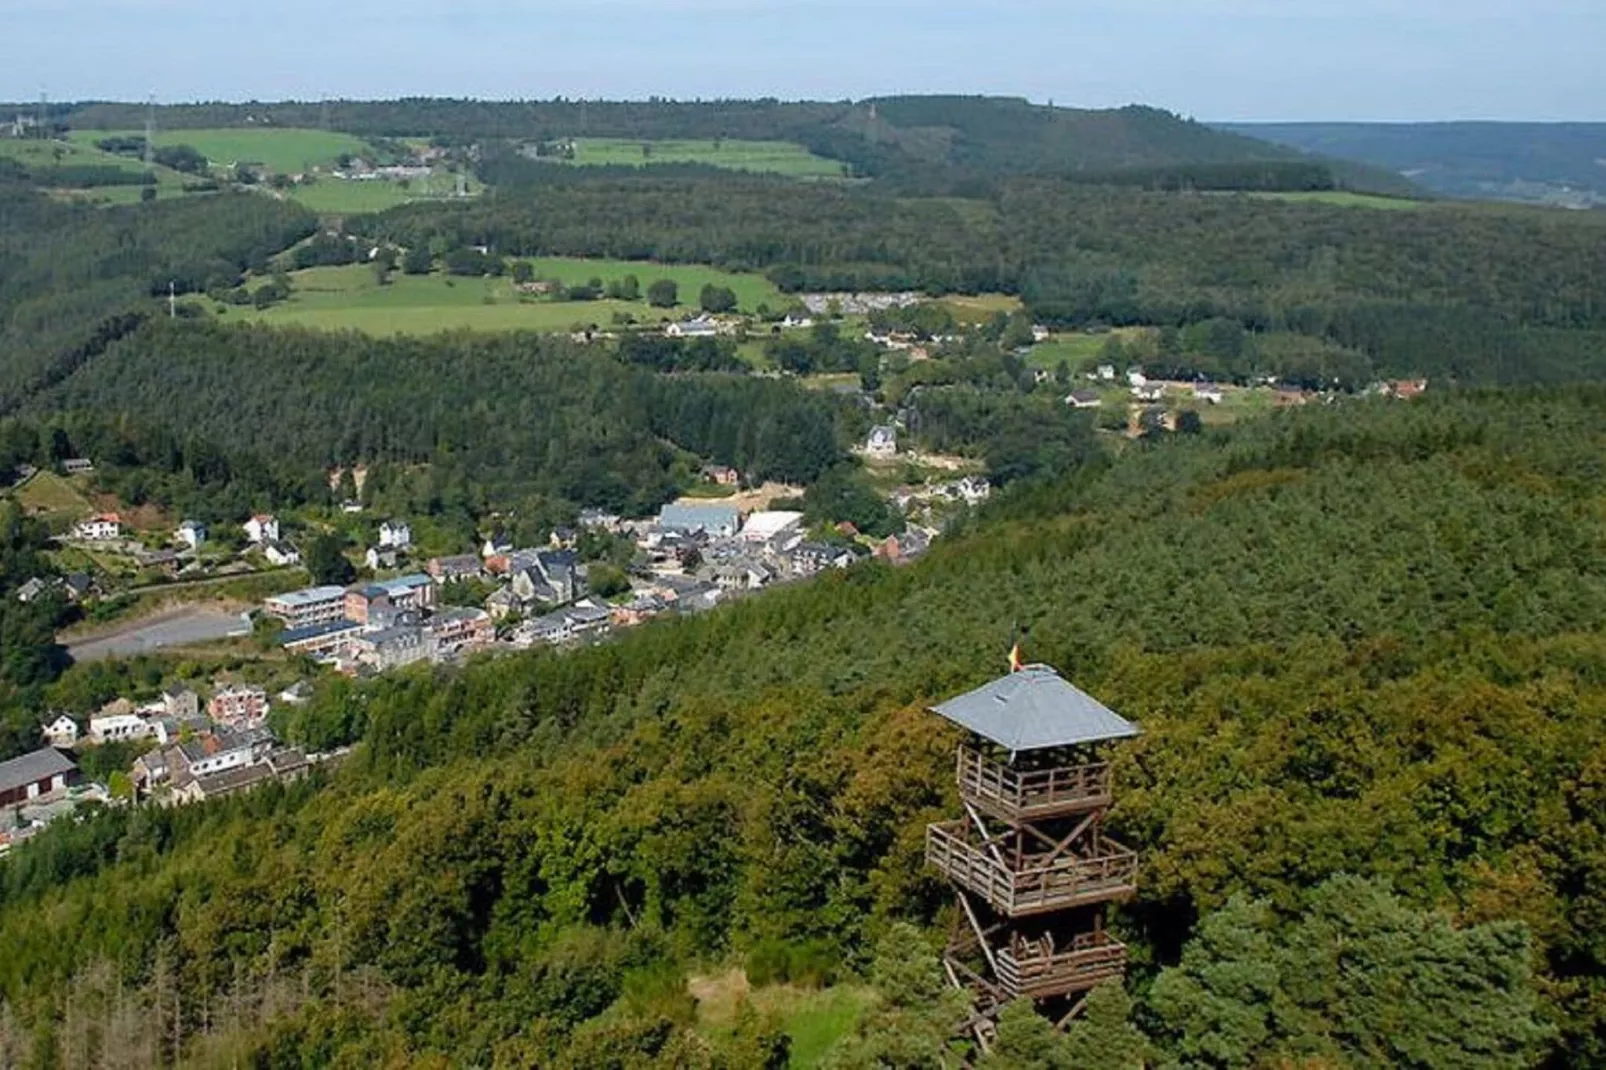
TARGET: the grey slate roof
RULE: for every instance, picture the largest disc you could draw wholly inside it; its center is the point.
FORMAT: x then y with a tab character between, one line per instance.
1033	709
32	768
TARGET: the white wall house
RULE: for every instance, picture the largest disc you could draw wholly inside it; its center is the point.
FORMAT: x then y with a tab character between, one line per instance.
395	535
191	533
109	728
99	528
61	732
883	442
262	528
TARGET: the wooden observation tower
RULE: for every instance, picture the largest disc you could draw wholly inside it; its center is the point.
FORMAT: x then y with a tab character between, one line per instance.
1030	864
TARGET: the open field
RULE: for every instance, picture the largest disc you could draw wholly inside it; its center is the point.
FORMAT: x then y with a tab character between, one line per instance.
1076	349
982	307
47	154
53	496
285	151
776	157
1345	199
350	298
335	196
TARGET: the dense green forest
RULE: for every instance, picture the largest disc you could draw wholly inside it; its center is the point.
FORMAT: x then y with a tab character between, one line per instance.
1364	645
463	424
75	277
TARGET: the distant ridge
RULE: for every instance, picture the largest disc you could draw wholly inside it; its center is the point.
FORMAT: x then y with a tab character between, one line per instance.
1538	163
910	139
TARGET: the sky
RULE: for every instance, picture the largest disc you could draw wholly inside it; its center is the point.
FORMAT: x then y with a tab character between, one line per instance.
1208	59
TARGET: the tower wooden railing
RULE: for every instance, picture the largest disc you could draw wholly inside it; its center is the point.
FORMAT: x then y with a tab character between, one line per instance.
1014	795
1032	887
1040	972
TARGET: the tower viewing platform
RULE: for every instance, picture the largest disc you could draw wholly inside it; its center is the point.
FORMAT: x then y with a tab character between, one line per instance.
1032	869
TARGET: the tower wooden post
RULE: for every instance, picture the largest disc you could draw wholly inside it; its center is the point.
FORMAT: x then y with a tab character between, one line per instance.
1032	869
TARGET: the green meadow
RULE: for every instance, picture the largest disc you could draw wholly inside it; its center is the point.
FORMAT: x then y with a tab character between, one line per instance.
280	150
350	298
1343	199
777	157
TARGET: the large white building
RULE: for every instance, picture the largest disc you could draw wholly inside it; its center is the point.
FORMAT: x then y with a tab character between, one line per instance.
262	528
308	606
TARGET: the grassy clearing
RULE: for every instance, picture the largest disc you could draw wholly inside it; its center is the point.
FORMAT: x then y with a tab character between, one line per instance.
53	496
1344	199
334	196
750	290
350	298
48	154
815	1019
775	157
1080	351
982	307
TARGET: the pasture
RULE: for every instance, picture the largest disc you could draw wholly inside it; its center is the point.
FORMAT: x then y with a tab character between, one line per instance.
774	157
1080	351
1342	199
285	151
43	155
53	496
350	298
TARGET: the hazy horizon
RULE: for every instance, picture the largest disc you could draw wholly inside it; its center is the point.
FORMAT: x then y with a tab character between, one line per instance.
1217	60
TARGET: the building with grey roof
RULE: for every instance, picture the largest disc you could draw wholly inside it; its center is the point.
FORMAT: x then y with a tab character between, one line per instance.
1034	709
37	773
722	521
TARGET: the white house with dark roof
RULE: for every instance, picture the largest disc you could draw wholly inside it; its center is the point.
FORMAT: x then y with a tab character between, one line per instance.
883	442
191	533
62	731
102	527
395	535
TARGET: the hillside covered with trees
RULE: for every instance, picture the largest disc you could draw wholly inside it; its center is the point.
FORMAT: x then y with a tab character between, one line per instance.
1364	646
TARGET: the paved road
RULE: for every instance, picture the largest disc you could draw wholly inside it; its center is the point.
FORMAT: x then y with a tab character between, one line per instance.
178	627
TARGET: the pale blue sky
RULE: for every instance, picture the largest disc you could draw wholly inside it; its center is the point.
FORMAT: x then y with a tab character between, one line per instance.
1213	59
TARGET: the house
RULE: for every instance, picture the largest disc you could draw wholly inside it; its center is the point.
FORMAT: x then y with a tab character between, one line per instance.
778	528
395	535
34	589
1083	399
1406	389
794	322
101	527
60	732
34	775
162	559
721	474
461	628
77	586
297	694
351	507
882	443
528	586
638	611
117	721
599	520
720	521
1040	333
181	702
1135	377
563	538
496	546
238	705
379	560
1106	373
974	489
810	558
262	528
1148	392
308	606
391	648
281	554
742	574
702	326
1208	392
77	466
191	533
453	569
503	603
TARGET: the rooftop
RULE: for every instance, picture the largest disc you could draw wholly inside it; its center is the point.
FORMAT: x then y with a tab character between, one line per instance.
318	631
1033	709
689	517
31	768
309	596
768	524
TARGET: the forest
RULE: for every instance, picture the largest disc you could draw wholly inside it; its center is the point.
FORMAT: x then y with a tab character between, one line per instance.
1364	646
454	424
